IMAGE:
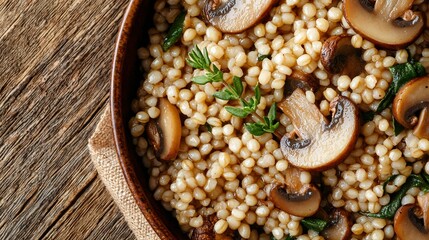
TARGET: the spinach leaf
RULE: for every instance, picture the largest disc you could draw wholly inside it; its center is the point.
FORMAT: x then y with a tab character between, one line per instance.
315	224
388	211
401	73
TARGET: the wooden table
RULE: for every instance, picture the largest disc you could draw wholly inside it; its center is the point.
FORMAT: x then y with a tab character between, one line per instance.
55	62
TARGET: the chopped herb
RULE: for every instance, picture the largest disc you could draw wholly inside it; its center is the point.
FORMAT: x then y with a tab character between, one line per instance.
175	32
401	73
388	211
268	126
314	224
261	57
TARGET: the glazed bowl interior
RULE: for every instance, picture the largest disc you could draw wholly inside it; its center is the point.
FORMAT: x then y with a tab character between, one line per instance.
126	76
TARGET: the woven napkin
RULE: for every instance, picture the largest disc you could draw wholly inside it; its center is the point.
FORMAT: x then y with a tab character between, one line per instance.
103	155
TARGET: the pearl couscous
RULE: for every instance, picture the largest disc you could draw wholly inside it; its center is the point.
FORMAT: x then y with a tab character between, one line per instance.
222	170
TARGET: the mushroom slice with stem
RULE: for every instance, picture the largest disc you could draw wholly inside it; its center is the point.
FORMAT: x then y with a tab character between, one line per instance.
410	99
339	225
233	16
339	56
408	224
164	133
388	23
322	144
303	203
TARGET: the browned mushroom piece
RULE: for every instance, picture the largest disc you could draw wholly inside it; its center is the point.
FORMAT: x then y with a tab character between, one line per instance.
339	56
302	203
423	201
321	144
301	80
164	133
339	225
232	16
408	223
390	24
410	99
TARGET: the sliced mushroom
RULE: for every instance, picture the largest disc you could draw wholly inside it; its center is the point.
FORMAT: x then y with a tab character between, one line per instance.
424	205
232	16
388	23
303	203
408	224
339	225
339	56
410	99
321	144
301	80
164	133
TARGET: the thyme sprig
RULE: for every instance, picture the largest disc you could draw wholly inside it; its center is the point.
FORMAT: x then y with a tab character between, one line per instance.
200	59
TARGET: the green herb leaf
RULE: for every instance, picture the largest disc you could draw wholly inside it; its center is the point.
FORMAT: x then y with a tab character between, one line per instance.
175	32
401	73
314	224
225	95
397	127
198	59
388	211
201	80
256	129
261	57
269	125
238	85
272	113
216	75
241	113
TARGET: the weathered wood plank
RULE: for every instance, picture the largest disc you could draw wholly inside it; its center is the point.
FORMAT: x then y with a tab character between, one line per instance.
55	59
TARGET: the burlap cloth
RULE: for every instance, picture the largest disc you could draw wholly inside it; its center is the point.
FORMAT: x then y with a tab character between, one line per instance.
103	155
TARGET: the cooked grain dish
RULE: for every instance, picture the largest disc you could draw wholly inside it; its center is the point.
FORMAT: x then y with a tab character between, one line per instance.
316	156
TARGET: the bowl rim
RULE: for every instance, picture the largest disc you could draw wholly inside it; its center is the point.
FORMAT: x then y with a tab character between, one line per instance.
122	150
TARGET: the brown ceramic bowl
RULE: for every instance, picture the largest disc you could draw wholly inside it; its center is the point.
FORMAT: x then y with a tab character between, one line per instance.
125	80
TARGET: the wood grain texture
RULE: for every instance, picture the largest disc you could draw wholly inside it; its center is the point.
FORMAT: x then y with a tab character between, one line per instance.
55	62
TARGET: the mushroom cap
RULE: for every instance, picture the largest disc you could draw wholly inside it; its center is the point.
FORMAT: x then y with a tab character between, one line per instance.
233	16
304	203
411	98
382	23
407	225
339	225
164	133
322	144
339	56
